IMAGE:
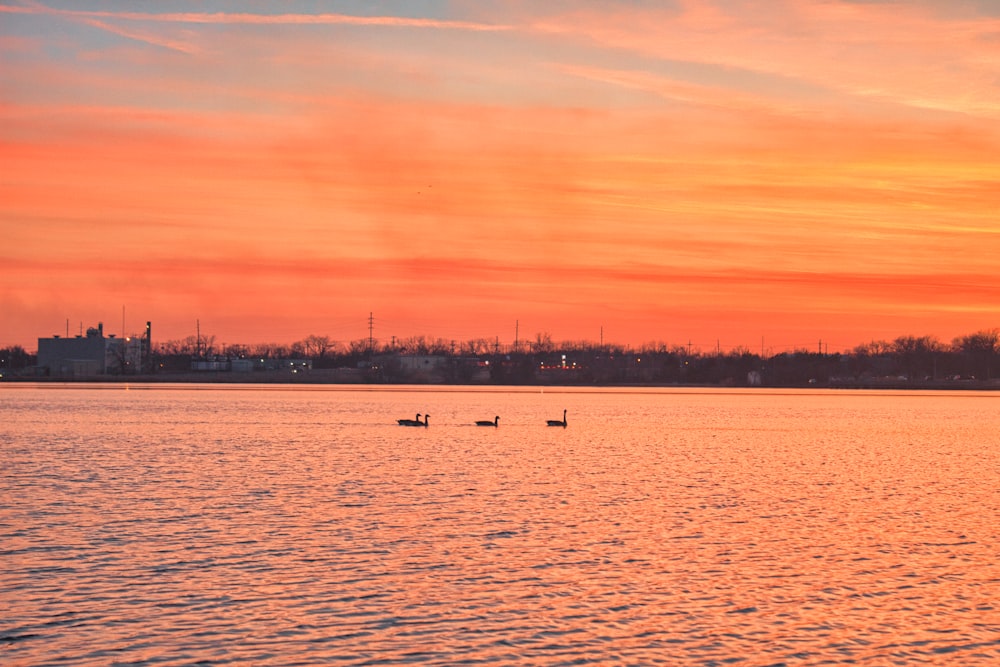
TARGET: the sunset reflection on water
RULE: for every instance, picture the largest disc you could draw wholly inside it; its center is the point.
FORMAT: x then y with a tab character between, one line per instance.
279	525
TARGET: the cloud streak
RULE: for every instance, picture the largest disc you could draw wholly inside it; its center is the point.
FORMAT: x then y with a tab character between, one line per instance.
906	54
242	18
107	21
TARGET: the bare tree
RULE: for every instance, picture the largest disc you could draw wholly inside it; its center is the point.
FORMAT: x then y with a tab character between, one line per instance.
358	347
236	351
172	348
413	345
542	343
440	346
478	346
14	357
269	350
876	348
981	347
916	354
317	346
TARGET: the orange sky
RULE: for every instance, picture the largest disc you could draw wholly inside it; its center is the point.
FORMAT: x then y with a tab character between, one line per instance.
714	172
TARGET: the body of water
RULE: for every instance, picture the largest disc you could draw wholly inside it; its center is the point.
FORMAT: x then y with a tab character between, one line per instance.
254	525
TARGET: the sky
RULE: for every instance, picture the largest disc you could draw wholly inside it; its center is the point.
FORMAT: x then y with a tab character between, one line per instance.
763	174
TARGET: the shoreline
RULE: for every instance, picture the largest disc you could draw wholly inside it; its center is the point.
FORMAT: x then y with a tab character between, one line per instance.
352	377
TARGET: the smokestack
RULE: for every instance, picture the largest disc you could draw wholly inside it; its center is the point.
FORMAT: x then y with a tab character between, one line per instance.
147	352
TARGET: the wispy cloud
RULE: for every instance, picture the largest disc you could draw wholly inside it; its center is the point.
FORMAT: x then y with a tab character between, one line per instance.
900	53
110	22
669	88
257	19
142	36
96	20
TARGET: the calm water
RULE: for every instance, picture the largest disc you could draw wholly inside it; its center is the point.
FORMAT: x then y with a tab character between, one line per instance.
294	526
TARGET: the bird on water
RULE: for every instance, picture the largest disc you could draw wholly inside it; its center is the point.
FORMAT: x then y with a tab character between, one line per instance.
486	422
556	422
410	422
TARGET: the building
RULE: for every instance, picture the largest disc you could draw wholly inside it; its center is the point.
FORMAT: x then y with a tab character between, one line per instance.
430	368
91	355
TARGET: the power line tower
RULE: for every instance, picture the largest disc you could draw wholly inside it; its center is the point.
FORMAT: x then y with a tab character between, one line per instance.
371	335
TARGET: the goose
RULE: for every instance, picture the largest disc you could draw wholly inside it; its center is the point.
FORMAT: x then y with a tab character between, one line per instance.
424	422
556	422
486	422
410	422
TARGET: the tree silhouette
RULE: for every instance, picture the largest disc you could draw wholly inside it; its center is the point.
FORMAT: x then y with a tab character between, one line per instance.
980	348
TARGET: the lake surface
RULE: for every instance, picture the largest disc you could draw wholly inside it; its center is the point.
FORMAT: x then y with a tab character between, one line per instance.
279	525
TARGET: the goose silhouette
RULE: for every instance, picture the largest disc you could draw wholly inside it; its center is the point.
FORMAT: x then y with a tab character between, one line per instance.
556	422
486	422
410	422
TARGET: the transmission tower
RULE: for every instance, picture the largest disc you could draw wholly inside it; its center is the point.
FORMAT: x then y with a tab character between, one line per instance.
371	335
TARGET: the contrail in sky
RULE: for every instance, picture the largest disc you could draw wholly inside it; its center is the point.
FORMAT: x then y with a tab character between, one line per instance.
259	19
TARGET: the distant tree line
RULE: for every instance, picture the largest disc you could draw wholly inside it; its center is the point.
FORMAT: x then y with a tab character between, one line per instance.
15	359
907	360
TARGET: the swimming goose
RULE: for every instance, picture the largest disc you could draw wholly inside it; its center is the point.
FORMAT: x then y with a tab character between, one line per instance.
556	422
410	422
486	422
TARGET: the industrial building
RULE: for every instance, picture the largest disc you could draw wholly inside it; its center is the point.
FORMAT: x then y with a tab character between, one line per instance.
93	354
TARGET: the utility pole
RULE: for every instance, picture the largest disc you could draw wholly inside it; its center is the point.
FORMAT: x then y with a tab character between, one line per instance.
517	325
198	339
